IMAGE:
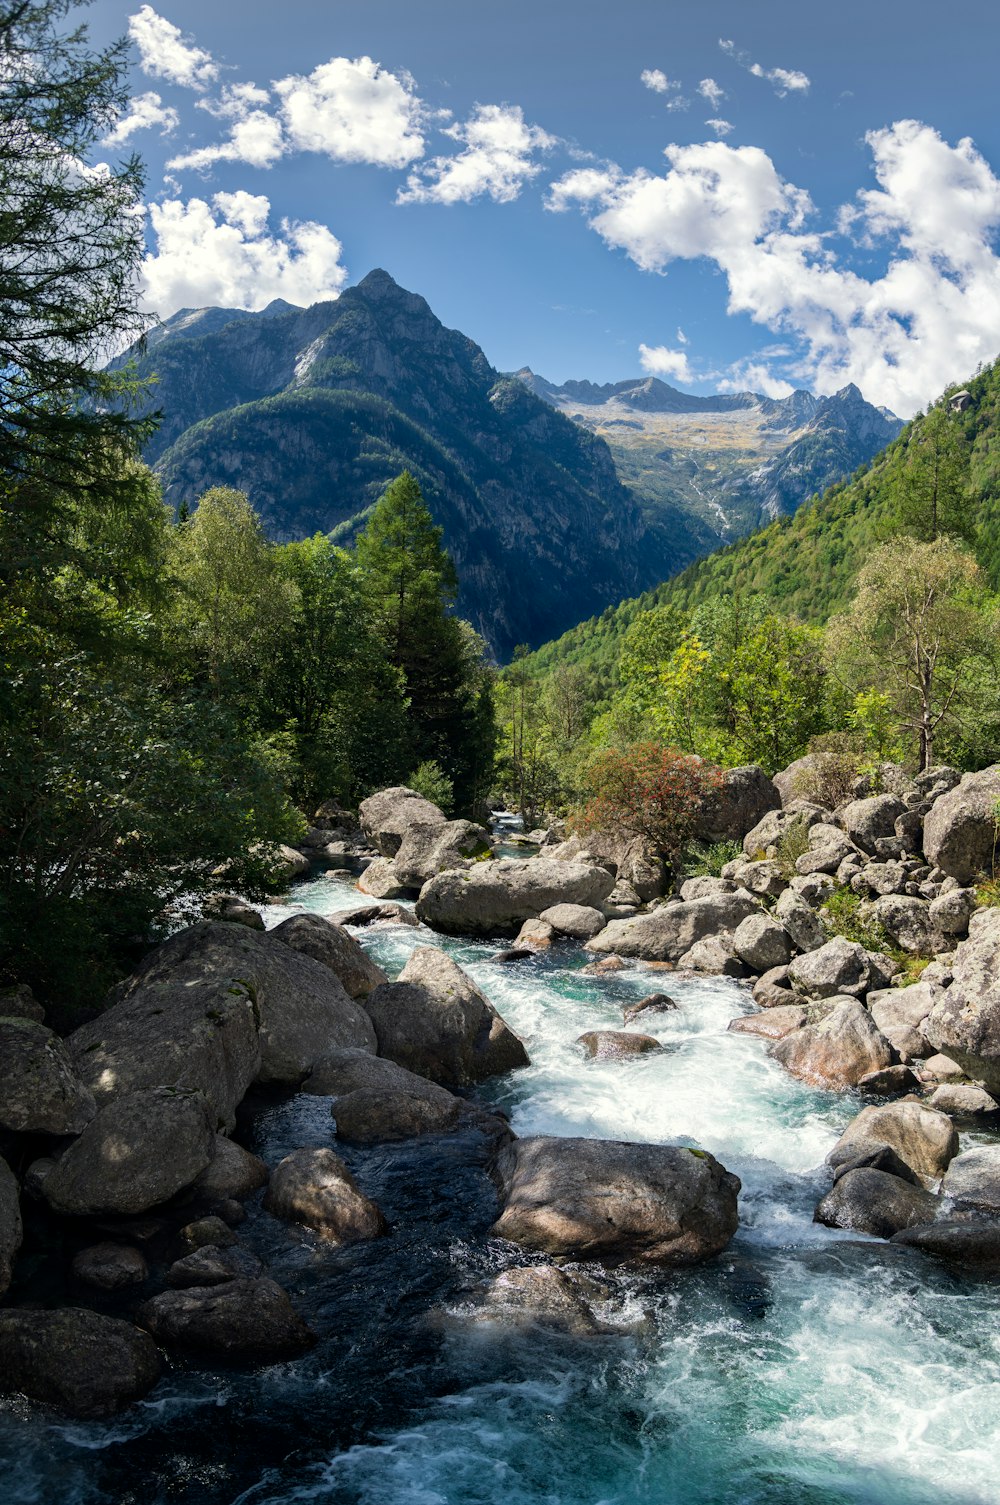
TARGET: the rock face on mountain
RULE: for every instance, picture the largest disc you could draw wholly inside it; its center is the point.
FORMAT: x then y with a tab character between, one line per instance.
313	411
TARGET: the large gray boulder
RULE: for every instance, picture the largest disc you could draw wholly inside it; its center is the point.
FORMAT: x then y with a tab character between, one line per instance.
40	1092
641	1204
762	943
429	849
760	842
670	930
924	1139
838	966
578	921
315	1187
434	1021
829	846
802	924
633	860
387	816
960	828
871	1201
137	1152
975	1243
950	913
973	1179
965	1021
375	1101
907	921
301	1007
743	798
11	1230
87	1365
381	881
233	1173
335	948
238	1319
868	819
495	898
836	1052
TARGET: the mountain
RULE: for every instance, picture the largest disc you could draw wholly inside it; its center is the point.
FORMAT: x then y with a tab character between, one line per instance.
807	563
313	411
734	461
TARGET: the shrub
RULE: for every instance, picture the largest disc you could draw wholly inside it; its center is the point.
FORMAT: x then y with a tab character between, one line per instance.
792	844
843	915
650	790
707	859
838	759
430	780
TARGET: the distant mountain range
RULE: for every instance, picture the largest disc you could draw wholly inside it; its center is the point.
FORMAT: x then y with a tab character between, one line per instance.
556	502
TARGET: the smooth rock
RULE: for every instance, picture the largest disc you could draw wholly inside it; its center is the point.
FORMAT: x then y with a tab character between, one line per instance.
604	966
578	921
772	1024
232	910
961	1100
543	1295
233	1173
240	1319
110	1267
960	829
381	881
315	1187
836	1052
535	935
40	1092
87	1365
495	898
653	1003
762	943
206	1233
957	1242
375	914
869	1201
923	1139
973	1178
429	849
376	1101
213	1266
387	816
774	990
616	1044
335	948
667	932
890	1082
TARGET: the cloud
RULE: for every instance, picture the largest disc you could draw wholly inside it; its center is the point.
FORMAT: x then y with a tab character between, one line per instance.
255	136
753	376
163	52
497	160
720	127
144	112
713	92
354	111
902	334
784	80
659	360
657	80
223	253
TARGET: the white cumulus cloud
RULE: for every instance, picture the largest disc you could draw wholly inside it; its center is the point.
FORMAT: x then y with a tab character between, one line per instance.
223	252
902	333
164	52
720	127
354	111
755	376
713	92
783	80
660	360
255	137
499	157
144	112
657	80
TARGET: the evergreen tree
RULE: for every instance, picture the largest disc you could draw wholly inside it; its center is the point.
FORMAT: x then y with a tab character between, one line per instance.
931	491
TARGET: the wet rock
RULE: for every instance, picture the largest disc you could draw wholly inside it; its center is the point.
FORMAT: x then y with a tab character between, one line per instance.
870	1155
515	954
535	935
774	990
616	1044
975	1243
495	898
387	816
232	910
241	1319
667	932
602	1199
604	966
866	820
205	1233
11	1230
375	914
137	1153
381	881
213	1266
869	1201
762	943
232	1174
973	1178
923	1139
436	1022
836	1052
960	829
772	1024
335	948
429	849
110	1267
86	1365
838	966
40	1092
653	1003
965	1021
962	1100
578	921
802	924
743	798
376	1101
315	1187
545	1295
890	1082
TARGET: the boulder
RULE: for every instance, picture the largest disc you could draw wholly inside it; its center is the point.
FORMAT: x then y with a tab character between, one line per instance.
300	1006
206	1233
653	1003
940	1069
381	881
543	1295
233	910
429	849
973	1179
760	842
86	1365
632	859
960	829
704	885
110	1267
950	913
772	1024
866	820
923	1139
387	816
791	780
774	990
714	956
375	914
241	1319
604	967
838	966
975	1243
891	1081
900	1014
616	1044
315	1187
376	1101
805	928
213	1266
434	1021
869	1201
965	1020
667	932
643	1204
11	1230
40	1092
139	1151
836	1052
495	898
578	921
232	1173
287	861
907	921
19	1002
762	943
829	846
763	878
743	798
534	935
870	1155
960	1100
335	948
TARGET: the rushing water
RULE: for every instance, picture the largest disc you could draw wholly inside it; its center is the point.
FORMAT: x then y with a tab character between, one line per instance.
803	1367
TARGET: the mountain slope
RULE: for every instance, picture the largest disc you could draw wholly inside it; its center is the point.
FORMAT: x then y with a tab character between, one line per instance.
807	563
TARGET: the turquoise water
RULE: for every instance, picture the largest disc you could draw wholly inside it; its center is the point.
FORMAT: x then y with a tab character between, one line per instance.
803	1366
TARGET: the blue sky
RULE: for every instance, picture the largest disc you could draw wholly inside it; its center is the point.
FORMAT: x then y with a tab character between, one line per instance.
724	194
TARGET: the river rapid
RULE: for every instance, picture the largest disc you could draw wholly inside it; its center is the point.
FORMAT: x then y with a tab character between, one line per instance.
804	1366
